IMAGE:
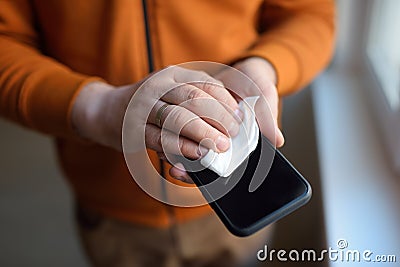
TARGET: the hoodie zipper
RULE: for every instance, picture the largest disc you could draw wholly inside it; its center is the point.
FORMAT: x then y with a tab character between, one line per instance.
150	57
170	212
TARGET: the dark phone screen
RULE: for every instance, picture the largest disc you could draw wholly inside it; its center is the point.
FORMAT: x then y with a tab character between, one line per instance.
282	184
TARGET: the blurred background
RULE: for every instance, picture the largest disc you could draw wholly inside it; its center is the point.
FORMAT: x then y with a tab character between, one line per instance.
342	133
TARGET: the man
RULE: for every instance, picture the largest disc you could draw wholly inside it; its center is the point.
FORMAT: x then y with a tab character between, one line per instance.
69	69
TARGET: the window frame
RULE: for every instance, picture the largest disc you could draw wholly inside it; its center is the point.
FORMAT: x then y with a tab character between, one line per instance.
386	112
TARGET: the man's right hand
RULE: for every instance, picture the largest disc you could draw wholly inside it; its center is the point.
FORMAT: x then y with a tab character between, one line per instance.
199	108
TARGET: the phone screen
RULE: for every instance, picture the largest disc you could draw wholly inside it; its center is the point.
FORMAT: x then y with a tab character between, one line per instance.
245	211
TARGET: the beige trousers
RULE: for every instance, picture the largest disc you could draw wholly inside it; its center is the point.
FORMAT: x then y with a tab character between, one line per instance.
201	242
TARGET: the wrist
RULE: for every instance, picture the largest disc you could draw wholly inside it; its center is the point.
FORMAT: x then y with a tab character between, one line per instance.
271	71
87	109
267	66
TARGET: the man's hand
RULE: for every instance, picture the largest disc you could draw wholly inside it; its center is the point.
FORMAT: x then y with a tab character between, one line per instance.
196	111
262	73
192	109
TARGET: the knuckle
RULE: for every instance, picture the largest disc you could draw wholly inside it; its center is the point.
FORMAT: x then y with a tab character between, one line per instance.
175	116
210	85
182	146
223	119
207	133
224	99
199	106
179	119
194	93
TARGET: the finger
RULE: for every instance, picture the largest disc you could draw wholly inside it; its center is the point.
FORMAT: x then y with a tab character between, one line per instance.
183	122
270	93
168	142
179	173
280	139
208	84
205	106
244	86
240	85
266	108
267	122
270	105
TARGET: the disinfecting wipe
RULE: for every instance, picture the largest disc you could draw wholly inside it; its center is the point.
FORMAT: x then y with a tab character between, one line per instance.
224	164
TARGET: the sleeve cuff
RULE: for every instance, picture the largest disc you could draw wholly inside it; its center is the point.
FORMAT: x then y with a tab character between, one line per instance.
285	62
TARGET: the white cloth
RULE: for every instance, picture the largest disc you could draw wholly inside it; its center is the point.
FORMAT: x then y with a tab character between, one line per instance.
240	146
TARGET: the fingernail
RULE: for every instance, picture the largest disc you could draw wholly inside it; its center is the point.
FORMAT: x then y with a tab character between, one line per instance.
280	136
239	114
222	143
202	151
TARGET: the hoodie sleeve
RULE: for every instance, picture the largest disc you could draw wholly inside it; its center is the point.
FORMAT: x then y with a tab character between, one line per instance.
297	38
35	91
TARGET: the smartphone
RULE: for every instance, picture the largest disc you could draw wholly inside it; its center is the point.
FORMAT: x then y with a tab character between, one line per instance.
257	192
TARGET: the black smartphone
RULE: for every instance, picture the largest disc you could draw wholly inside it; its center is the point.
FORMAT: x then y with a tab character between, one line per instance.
257	192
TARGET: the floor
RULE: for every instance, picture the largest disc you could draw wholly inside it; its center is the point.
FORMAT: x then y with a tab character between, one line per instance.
36	206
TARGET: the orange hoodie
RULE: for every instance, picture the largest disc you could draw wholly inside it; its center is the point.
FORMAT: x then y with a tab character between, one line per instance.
49	49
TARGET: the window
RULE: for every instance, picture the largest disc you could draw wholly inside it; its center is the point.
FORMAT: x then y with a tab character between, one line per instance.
383	48
382	52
